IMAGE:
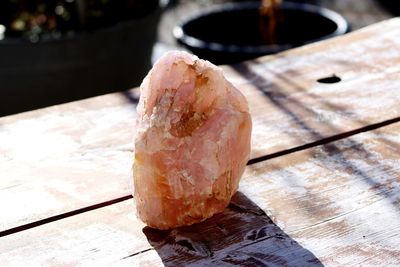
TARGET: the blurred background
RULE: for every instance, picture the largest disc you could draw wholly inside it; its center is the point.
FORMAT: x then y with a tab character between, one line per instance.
359	13
56	51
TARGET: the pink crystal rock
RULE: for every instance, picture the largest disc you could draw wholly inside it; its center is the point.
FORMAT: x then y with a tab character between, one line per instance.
192	142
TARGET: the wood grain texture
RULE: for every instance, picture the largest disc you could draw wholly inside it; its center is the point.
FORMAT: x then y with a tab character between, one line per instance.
298	109
242	235
101	236
63	158
340	201
75	155
336	204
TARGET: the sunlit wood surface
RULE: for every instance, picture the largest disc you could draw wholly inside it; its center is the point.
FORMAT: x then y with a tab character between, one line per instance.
322	186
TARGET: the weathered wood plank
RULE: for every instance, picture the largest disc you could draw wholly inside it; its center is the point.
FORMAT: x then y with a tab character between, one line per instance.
340	200
300	110
104	235
241	235
68	157
336	204
75	155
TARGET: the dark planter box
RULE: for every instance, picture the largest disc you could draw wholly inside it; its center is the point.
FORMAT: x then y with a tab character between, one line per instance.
34	75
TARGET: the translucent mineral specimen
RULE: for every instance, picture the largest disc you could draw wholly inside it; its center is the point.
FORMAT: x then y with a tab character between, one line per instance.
192	142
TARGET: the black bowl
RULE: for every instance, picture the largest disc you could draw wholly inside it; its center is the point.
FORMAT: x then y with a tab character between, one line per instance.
231	33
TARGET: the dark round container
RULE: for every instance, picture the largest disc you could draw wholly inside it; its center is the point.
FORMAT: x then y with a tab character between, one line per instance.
231	33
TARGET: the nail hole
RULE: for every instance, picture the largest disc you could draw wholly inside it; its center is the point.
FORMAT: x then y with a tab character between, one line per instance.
331	79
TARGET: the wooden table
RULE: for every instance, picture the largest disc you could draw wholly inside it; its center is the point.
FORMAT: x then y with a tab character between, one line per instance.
322	186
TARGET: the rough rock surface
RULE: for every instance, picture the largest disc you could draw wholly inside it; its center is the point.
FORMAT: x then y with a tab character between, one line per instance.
192	142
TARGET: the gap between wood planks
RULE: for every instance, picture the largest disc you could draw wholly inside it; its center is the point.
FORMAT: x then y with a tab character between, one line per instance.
250	162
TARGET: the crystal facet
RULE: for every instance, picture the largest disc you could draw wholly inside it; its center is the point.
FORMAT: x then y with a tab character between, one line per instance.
192	142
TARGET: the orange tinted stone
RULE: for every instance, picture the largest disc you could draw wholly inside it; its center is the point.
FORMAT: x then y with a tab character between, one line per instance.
192	142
